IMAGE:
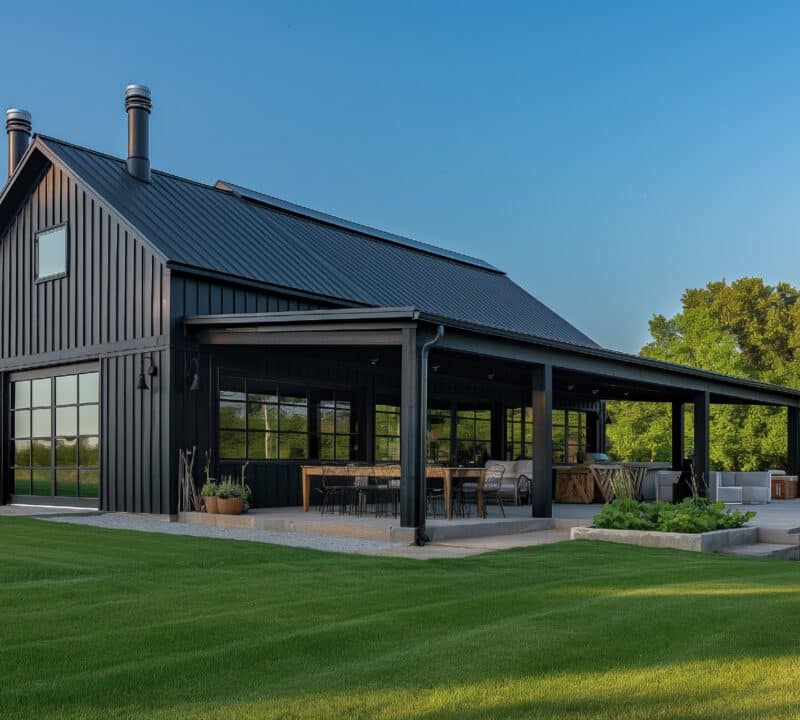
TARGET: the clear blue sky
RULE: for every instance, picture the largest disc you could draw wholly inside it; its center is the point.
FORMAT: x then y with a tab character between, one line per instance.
607	155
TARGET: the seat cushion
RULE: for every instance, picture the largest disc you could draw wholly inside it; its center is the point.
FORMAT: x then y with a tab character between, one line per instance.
753	479
755	495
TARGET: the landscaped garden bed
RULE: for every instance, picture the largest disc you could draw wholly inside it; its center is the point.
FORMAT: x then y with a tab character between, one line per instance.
695	524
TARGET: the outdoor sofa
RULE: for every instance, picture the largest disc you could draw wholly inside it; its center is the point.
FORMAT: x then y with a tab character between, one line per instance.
751	488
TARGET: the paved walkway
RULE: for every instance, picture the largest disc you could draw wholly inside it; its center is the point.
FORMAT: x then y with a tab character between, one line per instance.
452	549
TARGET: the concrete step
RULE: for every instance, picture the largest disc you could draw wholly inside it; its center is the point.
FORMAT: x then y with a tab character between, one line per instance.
764	550
445	530
779	536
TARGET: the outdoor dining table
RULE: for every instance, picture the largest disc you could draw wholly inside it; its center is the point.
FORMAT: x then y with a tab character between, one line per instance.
446	474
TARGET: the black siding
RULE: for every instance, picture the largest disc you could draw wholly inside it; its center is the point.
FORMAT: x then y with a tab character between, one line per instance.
112	306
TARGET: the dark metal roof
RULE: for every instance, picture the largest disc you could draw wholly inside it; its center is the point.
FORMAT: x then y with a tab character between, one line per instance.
270	201
203	227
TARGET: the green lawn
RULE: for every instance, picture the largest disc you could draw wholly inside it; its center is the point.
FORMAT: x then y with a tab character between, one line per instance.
108	624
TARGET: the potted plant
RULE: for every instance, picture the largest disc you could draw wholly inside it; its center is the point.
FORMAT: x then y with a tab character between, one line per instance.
229	500
209	493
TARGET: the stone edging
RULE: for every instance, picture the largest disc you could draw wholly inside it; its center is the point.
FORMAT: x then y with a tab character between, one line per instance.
695	542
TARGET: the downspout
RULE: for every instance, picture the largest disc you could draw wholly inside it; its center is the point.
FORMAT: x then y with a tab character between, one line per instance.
421	535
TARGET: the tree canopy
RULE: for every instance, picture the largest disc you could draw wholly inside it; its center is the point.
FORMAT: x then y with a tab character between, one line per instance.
745	328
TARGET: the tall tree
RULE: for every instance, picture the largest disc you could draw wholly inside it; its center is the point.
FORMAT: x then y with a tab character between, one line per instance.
746	328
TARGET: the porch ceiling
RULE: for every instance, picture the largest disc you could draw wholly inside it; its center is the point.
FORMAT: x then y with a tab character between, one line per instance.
583	373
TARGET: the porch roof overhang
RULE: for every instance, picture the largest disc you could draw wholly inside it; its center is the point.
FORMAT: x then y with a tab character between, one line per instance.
597	373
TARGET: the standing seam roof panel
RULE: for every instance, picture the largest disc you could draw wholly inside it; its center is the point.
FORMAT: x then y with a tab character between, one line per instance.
209	228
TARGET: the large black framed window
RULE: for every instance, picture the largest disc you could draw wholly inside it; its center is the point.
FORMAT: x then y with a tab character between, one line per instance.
387	433
262	420
473	436
569	436
55	429
337	427
519	433
440	427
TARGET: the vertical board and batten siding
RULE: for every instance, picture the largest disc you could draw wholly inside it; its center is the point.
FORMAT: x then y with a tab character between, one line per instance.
116	288
115	292
275	483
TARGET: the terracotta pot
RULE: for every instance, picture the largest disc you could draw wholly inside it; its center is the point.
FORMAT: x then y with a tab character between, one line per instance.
229	506
210	501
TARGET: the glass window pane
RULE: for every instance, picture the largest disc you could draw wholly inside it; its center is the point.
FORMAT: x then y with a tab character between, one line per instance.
293	419
67	421
262	417
40	393
22	453
51	247
289	397
89	387
387	424
292	446
465	452
40	453
22	423
22	482
342	421
264	391
232	415
89	417
67	390
344	447
89	451
387	449
41	425
326	447
231	388
67	483
41	481
66	452
327	420
558	417
483	430
89	481
22	394
262	446
232	445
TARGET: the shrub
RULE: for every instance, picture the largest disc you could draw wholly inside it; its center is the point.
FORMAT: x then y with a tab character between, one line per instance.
693	515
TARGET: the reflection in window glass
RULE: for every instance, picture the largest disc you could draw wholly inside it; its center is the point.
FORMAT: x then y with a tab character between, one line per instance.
54	446
51	253
40	393
67	390
89	387
387	433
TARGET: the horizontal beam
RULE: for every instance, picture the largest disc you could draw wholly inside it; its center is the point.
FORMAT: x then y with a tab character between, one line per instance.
674	379
301	337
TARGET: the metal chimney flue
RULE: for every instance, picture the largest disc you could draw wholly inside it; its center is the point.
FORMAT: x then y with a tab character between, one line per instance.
18	127
138	106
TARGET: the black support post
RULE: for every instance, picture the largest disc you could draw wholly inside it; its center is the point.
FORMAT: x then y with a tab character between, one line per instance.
677	435
412	500
701	435
542	402
793	440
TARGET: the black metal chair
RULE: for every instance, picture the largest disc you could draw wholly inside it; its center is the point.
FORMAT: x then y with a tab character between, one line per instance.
492	488
329	491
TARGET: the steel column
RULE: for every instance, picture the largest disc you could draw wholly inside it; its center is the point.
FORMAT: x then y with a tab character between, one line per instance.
701	435
542	403
412	500
677	435
793	440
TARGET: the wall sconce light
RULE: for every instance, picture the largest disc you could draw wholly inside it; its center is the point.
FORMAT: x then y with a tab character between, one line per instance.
374	361
570	387
194	373
490	376
151	370
435	368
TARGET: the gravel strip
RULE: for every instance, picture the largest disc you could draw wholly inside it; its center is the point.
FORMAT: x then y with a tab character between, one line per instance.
112	521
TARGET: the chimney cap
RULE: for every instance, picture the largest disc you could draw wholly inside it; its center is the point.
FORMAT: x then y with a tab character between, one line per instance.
17	119
138	96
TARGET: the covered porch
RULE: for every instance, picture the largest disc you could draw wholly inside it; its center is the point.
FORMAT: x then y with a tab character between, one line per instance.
399	386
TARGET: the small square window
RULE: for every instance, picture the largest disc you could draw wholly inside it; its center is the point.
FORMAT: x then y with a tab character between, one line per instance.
51	253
